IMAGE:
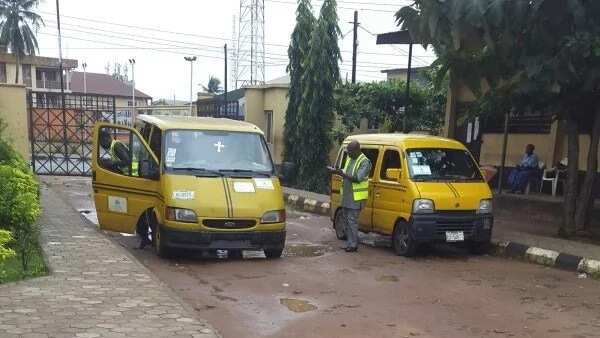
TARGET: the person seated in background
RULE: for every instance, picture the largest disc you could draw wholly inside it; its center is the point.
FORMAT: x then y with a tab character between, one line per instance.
521	175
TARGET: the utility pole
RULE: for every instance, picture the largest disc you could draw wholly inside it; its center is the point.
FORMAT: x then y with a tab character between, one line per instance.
84	65
354	46
225	77
60	59
191	60
134	112
408	76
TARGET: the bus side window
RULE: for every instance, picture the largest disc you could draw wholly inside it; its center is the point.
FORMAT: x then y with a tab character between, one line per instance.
156	142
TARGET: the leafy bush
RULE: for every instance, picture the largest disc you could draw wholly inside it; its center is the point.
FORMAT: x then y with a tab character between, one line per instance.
5	251
19	201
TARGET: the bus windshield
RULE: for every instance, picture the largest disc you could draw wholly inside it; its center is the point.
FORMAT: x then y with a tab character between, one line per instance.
442	164
216	152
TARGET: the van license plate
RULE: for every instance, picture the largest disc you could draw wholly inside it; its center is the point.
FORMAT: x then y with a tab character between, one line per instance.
455	236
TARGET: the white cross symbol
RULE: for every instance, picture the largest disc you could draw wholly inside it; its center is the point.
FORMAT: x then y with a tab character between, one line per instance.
219	146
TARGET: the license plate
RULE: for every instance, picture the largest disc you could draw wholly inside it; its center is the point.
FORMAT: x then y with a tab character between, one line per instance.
455	236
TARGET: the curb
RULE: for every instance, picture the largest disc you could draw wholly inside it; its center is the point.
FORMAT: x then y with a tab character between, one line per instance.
513	250
549	258
307	204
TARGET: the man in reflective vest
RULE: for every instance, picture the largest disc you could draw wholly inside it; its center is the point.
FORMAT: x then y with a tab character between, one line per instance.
119	155
355	191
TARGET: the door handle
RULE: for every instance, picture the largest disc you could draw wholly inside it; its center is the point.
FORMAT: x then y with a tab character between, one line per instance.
377	195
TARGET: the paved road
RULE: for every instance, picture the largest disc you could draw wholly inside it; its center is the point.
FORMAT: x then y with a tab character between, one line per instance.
317	290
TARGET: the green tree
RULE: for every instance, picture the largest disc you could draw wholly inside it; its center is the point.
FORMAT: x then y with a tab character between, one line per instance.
297	53
213	86
381	102
18	22
315	116
539	54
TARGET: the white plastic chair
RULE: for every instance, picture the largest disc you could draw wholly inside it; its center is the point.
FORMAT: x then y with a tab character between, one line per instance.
541	166
553	176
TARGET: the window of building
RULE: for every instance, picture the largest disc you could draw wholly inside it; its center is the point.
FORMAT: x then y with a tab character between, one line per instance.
129	103
269	126
391	160
2	72
27	75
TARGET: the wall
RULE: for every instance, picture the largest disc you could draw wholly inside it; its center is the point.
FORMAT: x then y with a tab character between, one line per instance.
13	111
491	149
259	100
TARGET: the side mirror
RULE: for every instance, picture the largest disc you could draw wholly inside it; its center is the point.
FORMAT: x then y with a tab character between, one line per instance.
287	171
392	174
148	169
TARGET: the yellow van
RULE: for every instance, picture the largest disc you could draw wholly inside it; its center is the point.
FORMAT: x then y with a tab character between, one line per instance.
422	189
189	183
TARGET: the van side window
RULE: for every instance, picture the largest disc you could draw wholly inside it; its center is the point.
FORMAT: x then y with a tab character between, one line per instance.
156	141
121	151
341	161
391	160
372	155
145	131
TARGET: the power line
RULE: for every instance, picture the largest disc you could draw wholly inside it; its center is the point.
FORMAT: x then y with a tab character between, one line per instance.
339	7
191	35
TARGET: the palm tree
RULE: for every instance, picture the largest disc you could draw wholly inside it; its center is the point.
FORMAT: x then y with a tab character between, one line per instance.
18	22
213	86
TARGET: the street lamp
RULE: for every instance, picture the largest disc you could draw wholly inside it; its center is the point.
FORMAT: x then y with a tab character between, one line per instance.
191	60
84	65
132	62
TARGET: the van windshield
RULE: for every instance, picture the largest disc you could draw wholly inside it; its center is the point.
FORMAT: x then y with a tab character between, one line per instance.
442	165
216	153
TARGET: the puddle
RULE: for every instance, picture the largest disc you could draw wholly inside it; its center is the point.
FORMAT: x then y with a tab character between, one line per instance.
297	305
387	278
305	250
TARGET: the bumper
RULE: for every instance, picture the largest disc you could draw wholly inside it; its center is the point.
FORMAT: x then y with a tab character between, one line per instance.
223	240
433	227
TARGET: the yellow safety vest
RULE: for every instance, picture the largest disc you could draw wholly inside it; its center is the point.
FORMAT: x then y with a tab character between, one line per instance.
115	159
360	190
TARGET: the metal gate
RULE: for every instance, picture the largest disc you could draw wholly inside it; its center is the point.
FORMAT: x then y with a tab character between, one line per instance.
61	137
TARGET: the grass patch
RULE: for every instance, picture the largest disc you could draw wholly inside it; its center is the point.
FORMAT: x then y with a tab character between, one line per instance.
11	269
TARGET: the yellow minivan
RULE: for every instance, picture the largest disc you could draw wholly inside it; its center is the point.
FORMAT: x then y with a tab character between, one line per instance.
422	189
189	183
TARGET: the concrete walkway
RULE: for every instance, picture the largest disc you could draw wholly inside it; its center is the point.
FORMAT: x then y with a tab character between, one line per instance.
95	289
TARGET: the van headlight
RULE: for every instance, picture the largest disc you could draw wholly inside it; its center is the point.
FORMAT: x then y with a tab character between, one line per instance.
423	206
181	215
275	216
485	207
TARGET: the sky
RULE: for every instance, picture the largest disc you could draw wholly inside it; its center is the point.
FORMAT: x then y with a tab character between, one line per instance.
159	34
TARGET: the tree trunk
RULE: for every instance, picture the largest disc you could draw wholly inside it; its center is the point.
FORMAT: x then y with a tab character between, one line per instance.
17	68
585	200
568	227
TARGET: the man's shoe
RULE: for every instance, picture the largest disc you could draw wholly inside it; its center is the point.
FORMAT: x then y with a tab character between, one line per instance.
355	249
144	243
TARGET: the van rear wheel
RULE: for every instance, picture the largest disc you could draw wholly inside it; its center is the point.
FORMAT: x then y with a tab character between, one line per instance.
402	241
339	224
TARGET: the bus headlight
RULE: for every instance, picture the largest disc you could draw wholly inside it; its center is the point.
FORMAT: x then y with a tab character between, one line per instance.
423	206
181	215
485	207
275	216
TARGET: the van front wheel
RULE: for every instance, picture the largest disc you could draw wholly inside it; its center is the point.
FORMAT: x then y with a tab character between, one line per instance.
161	249
402	241
273	253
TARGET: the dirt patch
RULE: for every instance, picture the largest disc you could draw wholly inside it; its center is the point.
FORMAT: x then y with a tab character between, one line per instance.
304	250
387	278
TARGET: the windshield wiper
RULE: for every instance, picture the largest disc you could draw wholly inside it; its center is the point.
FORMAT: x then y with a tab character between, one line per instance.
208	171
245	171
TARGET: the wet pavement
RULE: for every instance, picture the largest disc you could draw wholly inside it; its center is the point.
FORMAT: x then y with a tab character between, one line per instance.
317	290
